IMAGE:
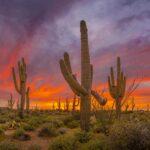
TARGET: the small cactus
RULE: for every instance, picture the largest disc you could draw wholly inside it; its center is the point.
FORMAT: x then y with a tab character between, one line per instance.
11	102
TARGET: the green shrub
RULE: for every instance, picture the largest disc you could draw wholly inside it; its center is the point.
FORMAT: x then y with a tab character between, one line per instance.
1	131
35	121
34	147
67	119
63	143
56	123
62	130
2	135
3	120
28	127
20	134
6	145
130	135
73	124
47	131
94	145
101	128
83	137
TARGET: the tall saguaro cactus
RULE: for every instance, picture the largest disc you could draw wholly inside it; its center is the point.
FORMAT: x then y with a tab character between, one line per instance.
117	88
84	89
27	99
20	85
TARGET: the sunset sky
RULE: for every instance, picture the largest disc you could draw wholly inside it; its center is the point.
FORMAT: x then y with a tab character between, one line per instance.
42	30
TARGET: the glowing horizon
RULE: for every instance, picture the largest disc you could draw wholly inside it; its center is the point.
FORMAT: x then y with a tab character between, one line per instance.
43	30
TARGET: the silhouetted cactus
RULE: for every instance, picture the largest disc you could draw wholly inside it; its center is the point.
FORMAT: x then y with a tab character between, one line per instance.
84	89
75	103
20	86
117	88
67	103
59	104
132	104
27	100
11	102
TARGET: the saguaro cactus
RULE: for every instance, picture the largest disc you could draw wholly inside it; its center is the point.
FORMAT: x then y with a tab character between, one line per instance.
84	89
11	102
21	86
59	104
67	103
117	88
27	100
75	103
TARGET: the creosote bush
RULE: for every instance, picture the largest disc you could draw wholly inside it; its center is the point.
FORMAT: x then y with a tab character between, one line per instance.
7	145
34	147
73	124
63	143
47	131
130	135
20	134
83	137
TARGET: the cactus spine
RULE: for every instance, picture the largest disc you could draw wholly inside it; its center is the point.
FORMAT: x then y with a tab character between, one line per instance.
117	88
27	100
84	89
21	86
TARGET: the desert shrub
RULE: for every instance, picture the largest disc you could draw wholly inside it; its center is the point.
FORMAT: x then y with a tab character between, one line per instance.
67	119
2	131
6	145
63	143
101	128
130	135
73	124
62	130
2	134
76	115
56	123
3	120
47	131
20	134
94	145
13	124
28	127
83	137
35	121
34	147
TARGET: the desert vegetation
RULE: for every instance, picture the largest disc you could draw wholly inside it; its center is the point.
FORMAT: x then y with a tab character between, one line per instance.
82	123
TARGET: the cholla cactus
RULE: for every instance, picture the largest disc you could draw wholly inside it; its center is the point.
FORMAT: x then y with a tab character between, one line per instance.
117	88
27	100
20	86
11	102
84	89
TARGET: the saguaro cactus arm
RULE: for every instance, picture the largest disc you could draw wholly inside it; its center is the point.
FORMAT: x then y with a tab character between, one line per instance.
99	99
73	83
15	80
